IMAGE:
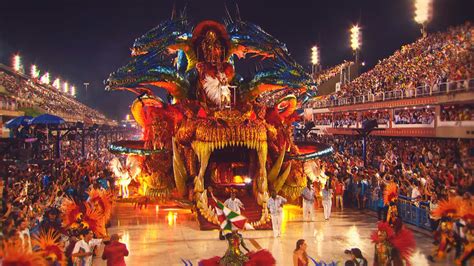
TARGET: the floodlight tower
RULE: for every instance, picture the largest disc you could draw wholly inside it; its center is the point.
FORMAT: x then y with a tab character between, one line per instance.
315	60
356	42
34	72
17	63
423	14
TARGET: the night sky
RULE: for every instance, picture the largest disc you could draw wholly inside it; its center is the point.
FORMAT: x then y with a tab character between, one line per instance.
83	41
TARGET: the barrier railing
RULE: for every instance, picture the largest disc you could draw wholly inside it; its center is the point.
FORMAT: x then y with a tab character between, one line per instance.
396	94
408	211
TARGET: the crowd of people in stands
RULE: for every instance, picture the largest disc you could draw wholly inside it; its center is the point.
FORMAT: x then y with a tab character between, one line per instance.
458	112
345	119
36	189
324	119
31	93
425	170
406	116
382	116
330	73
414	116
441	61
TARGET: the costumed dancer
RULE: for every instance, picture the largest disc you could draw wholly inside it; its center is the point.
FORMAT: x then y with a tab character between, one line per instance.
275	205
392	248
467	214
447	212
390	199
230	223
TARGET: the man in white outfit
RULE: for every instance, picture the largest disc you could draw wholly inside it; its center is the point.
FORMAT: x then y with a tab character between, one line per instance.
84	249
275	205
234	203
327	201
309	196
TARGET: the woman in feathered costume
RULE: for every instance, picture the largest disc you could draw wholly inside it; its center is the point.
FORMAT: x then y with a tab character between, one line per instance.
447	212
390	199
392	248
467	214
48	245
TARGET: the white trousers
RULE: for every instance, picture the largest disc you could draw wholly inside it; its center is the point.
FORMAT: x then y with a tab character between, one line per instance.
308	210
327	204
276	224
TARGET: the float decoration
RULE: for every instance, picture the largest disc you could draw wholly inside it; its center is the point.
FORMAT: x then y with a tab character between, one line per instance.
217	125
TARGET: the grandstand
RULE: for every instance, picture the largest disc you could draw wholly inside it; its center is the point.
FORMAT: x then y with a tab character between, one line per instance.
22	95
424	90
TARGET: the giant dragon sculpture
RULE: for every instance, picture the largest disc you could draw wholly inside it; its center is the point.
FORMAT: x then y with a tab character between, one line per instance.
215	128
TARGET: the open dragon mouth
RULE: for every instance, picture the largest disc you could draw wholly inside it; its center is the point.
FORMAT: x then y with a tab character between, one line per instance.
231	135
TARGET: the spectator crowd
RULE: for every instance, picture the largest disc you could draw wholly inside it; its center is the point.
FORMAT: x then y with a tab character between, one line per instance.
51	197
458	112
414	116
440	61
23	93
425	169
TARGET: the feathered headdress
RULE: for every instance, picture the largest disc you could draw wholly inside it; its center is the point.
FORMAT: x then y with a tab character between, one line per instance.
384	227
451	206
390	193
13	255
94	220
403	241
49	247
101	200
71	212
77	217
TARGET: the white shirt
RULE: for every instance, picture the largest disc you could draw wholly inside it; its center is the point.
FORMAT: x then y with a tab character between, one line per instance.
308	194
275	205
234	204
415	193
83	246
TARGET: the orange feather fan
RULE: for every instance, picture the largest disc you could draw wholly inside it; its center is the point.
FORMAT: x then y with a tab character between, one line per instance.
453	205
13	255
390	193
102	200
50	247
94	220
71	212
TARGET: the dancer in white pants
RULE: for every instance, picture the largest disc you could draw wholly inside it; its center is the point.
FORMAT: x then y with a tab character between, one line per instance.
275	205
327	201
309	196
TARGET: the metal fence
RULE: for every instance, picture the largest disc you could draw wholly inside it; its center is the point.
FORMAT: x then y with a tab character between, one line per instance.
397	94
418	215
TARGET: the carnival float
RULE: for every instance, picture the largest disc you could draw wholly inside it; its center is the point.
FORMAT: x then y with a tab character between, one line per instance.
216	127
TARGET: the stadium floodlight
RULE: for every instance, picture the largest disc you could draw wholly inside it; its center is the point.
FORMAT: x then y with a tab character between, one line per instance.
355	38
57	83
17	63
423	13
65	87
34	72
315	55
73	91
45	78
